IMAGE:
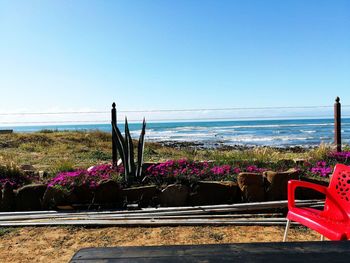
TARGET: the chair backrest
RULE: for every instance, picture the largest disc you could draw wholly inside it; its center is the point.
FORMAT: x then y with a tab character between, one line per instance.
337	203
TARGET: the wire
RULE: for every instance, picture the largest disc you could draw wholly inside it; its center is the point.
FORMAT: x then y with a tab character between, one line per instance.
167	110
232	109
175	119
53	113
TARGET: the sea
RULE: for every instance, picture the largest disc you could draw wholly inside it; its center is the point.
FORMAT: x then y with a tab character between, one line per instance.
275	133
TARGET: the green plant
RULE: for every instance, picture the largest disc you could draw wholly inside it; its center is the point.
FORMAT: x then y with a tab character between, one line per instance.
321	152
125	148
63	166
97	154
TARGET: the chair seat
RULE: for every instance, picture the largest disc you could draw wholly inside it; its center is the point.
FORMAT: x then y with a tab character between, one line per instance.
320	222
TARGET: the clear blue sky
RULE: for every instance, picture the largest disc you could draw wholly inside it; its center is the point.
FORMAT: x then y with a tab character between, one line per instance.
173	54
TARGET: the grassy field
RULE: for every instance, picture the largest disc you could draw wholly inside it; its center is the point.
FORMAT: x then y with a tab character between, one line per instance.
56	151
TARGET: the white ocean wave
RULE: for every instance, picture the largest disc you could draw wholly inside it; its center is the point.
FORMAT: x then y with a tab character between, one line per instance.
308	131
250	134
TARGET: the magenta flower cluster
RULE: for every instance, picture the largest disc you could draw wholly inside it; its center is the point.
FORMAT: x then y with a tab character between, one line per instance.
321	169
340	156
90	177
16	181
196	170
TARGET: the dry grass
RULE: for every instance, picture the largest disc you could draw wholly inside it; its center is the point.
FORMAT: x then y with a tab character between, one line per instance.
58	244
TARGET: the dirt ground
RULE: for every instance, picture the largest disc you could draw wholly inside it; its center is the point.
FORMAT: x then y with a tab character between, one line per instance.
58	244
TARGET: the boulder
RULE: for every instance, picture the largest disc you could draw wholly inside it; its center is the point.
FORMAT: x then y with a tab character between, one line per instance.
252	187
143	195
277	183
8	198
174	195
214	193
27	167
107	192
80	194
54	197
30	197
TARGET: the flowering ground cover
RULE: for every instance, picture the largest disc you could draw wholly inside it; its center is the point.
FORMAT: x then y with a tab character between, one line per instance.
187	172
86	177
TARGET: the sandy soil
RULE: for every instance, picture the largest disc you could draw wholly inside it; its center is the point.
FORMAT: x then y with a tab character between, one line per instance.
58	244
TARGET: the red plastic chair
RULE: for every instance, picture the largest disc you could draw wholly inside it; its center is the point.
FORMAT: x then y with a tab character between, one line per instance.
333	221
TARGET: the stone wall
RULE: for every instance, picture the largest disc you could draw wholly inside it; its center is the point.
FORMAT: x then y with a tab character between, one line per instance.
250	187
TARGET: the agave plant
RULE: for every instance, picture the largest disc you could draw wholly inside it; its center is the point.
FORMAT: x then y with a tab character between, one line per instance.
125	148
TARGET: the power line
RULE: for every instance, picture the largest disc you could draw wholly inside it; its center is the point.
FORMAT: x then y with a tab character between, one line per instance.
53	113
167	110
232	109
174	119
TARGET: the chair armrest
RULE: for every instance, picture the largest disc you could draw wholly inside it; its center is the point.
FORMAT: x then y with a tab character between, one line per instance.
293	184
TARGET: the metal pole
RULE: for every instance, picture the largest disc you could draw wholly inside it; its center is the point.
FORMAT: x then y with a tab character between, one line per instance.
337	124
114	146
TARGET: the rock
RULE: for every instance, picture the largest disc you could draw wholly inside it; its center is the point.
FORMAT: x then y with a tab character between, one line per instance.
174	195
54	197
108	192
28	170
252	187
80	194
214	193
277	183
8	198
27	167
143	195
30	197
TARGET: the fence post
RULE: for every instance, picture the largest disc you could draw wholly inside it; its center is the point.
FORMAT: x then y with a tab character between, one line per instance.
337	124
114	146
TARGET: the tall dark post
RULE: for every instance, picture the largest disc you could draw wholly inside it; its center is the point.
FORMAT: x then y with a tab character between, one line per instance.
337	124
114	146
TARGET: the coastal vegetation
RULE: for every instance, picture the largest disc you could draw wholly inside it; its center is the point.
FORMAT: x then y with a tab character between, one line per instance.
59	153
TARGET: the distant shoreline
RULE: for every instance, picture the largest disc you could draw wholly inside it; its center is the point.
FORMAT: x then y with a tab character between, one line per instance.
223	147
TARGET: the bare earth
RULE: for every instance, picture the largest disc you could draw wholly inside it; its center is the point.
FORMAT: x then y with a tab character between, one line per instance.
58	244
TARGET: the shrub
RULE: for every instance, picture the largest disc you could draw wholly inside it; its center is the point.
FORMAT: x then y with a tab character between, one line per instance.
63	166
